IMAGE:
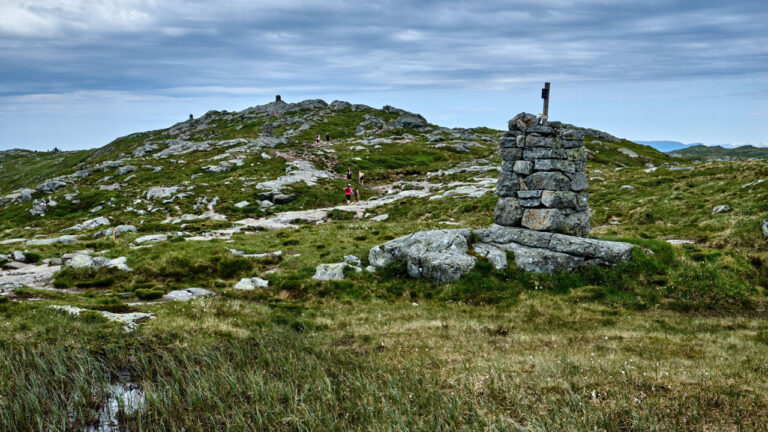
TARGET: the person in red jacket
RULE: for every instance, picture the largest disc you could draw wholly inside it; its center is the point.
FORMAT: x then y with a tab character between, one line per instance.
348	193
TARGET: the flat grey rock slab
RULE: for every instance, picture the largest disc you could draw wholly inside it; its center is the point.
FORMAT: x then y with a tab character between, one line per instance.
188	294
154	238
130	321
66	239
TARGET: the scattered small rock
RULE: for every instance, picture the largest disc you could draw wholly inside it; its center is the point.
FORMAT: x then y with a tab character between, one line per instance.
725	208
627	152
352	260
251	283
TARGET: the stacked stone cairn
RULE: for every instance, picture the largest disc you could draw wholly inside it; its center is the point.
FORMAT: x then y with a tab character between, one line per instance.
542	215
543	182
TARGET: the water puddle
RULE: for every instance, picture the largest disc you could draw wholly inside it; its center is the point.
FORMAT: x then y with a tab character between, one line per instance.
123	395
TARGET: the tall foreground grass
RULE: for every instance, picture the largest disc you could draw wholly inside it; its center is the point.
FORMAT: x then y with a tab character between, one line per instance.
545	363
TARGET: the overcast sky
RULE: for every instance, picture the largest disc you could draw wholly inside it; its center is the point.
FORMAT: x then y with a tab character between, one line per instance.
79	73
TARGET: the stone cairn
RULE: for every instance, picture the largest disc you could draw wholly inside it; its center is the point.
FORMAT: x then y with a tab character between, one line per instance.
543	177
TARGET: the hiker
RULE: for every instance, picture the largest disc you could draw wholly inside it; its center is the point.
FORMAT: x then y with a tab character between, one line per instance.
349	174
360	177
357	195
317	139
327	138
348	193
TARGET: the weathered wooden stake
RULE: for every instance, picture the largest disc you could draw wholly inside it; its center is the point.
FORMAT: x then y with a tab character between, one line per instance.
545	96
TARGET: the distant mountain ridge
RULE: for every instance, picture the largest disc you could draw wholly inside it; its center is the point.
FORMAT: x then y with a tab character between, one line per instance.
666	146
703	152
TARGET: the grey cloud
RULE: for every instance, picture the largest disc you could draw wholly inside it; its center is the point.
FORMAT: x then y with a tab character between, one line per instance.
150	46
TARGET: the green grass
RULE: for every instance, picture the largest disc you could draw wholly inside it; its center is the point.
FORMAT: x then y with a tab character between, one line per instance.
543	362
673	340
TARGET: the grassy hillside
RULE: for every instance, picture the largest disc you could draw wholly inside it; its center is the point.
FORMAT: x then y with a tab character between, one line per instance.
674	340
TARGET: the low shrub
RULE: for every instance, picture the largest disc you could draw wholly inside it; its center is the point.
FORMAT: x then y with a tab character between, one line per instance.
337	214
231	267
148	294
32	257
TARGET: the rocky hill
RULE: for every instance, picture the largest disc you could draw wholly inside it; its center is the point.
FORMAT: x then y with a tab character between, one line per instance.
268	151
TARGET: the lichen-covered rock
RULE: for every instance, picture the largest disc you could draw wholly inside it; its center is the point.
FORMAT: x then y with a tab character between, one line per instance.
548	180
496	256
558	199
439	255
542	219
508	183
508	212
335	271
577	223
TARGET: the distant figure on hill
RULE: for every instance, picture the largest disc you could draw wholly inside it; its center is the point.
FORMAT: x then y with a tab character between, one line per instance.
327	138
360	177
357	195
317	139
349	174
348	193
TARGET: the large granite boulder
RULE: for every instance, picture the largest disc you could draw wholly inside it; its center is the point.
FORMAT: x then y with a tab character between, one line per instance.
439	255
443	255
